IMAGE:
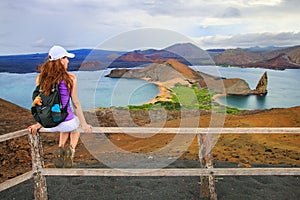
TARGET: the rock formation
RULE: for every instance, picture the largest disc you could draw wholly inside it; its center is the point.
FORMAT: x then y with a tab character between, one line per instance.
261	87
236	86
172	72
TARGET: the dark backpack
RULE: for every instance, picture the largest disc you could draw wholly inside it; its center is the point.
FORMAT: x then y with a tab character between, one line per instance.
50	113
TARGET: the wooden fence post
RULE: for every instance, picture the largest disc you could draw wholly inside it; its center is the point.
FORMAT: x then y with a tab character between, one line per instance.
40	186
207	187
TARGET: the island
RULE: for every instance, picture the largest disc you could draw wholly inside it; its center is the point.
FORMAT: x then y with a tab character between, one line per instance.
167	74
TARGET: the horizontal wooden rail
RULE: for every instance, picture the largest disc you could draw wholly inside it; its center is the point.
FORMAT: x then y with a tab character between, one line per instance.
143	130
15	181
12	135
213	130
173	172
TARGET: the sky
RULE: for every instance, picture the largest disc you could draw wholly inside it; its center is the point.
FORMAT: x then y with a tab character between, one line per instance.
33	26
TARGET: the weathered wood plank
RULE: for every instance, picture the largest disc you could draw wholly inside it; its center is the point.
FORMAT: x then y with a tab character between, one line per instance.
150	130
173	172
12	135
40	186
207	186
212	188
258	130
15	181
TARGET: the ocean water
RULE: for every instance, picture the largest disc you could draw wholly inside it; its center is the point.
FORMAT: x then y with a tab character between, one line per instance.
94	89
283	87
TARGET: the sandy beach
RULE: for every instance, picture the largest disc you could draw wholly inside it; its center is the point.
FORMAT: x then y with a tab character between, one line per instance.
216	96
163	95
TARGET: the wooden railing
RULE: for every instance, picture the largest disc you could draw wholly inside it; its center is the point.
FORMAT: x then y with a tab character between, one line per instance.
206	170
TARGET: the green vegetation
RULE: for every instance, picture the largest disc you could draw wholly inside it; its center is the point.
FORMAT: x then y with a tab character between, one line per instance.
231	110
191	97
184	97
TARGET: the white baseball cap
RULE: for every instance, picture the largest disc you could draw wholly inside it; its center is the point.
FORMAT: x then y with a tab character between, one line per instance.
57	52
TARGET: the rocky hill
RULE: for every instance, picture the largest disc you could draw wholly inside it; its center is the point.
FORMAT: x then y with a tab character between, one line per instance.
186	53
194	54
172	72
14	117
286	58
138	58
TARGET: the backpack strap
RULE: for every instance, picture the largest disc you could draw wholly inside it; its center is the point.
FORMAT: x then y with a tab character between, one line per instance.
39	89
66	106
56	87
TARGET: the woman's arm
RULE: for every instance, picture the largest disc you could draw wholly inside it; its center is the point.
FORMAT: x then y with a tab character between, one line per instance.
37	80
33	129
77	106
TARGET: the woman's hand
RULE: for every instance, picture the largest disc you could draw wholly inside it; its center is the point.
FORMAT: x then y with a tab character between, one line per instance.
87	128
33	129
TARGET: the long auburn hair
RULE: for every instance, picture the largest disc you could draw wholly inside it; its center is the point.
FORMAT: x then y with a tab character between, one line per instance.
52	72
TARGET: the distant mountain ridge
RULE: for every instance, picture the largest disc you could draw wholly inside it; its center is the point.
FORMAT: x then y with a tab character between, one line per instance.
186	53
285	58
257	49
85	59
189	54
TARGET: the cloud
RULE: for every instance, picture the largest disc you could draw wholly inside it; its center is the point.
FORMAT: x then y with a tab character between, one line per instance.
264	2
32	25
231	12
249	40
144	39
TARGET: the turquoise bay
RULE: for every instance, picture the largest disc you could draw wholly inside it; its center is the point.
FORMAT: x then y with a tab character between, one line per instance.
96	90
283	87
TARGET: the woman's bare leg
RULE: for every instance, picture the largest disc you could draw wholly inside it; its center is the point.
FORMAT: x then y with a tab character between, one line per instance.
63	137
74	138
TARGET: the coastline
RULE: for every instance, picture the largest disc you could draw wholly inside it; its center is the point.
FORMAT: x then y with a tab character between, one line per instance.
163	94
216	96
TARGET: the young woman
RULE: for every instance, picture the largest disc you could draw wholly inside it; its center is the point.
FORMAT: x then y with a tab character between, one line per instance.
54	70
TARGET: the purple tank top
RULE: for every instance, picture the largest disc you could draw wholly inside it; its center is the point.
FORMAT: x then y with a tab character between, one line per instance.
65	95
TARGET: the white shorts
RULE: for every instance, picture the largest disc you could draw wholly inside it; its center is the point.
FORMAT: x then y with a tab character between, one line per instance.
67	126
